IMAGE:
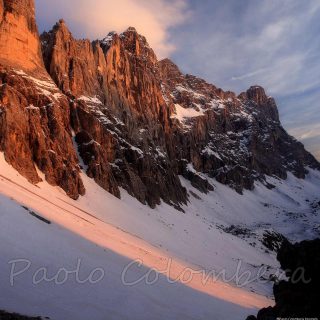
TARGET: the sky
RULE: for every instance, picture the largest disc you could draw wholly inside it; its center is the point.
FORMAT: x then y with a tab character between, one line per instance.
233	44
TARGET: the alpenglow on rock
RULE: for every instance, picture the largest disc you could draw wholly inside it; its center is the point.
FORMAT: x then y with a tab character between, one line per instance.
35	129
19	39
135	122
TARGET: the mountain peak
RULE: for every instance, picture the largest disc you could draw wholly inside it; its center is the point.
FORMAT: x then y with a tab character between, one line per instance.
169	69
137	44
61	26
131	29
257	94
109	38
132	32
169	64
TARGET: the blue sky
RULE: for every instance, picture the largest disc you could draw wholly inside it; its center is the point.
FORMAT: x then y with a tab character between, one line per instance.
231	43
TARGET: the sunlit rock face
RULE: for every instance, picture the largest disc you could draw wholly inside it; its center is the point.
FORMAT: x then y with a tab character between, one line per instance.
118	104
19	40
35	131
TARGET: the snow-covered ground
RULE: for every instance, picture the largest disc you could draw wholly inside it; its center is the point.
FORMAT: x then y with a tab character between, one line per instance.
101	231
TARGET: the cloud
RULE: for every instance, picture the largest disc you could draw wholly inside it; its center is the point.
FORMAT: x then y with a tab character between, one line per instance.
269	43
312	143
249	75
95	18
307	132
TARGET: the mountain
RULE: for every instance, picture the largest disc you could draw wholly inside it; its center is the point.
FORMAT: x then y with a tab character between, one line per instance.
169	124
138	122
35	121
109	155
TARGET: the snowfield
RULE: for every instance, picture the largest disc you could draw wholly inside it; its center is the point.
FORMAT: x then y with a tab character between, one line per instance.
120	242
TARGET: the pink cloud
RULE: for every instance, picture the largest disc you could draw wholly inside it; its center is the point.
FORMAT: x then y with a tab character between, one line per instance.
95	18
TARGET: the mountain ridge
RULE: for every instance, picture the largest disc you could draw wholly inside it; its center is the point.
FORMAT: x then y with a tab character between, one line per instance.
137	123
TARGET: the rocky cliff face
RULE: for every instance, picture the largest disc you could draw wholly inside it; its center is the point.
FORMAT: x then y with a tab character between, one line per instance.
119	114
236	139
19	39
138	123
35	129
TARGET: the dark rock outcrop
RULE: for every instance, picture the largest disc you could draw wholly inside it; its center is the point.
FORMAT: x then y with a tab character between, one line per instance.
299	296
15	316
273	240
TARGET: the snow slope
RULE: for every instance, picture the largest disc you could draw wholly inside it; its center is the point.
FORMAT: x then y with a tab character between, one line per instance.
105	232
